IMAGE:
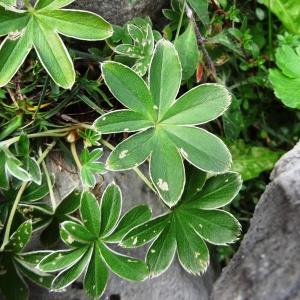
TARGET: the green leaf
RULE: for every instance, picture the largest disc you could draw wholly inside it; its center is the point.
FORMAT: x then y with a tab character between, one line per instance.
53	55
4	183
52	4
90	213
131	152
201	148
110	208
286	81
34	170
201	9
170	179
62	259
20	238
122	120
161	253
68	276
22	146
124	266
200	105
38	29
145	233
215	226
287	11
134	217
250	161
217	192
70	204
187	225
170	136
192	250
91	166
187	47
78	24
13	52
35	192
96	276
13	166
135	96
78	232
164	88
9	2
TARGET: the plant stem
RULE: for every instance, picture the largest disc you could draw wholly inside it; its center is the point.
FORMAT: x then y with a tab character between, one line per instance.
18	198
180	21
49	133
41	97
201	43
49	183
136	169
75	156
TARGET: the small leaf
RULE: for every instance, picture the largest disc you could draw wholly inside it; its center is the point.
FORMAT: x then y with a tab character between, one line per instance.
201	9
217	192
135	96
14	168
192	251
35	192
20	238
60	260
122	120
187	48
4	183
124	266
161	253
96	276
90	213
164	88
68	276
78	232
34	171
22	146
110	208
146	232
134	217
70	204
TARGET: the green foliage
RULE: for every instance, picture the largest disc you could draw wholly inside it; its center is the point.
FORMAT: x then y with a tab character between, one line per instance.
251	161
287	11
196	218
15	265
286	80
34	28
88	245
166	125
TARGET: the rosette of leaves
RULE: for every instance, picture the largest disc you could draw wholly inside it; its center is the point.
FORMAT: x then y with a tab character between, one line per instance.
91	166
142	48
39	27
88	241
19	164
15	265
48	218
196	220
167	131
286	79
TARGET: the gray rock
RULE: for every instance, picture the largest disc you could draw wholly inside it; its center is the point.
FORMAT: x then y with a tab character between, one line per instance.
175	284
119	11
267	265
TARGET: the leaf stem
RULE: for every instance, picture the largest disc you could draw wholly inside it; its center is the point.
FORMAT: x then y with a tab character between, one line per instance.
75	156
28	5
180	21
18	198
136	169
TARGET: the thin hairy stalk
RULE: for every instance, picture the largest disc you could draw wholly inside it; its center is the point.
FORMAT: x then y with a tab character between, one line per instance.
201	43
18	198
136	169
75	156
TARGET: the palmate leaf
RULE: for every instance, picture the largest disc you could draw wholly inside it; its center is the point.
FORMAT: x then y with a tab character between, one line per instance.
286	79
166	126
87	241
16	266
39	29
196	219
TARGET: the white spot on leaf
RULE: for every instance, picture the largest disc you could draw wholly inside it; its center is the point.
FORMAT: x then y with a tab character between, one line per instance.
134	241
163	185
123	154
